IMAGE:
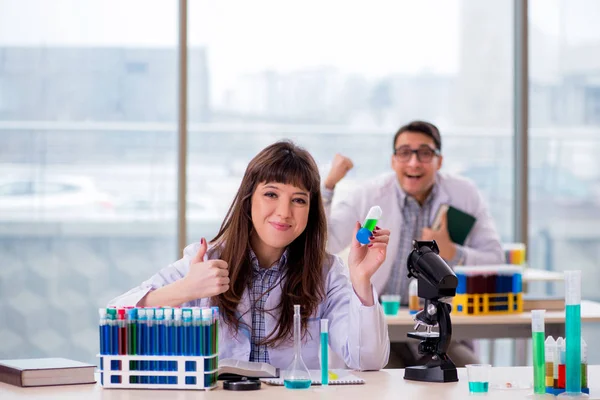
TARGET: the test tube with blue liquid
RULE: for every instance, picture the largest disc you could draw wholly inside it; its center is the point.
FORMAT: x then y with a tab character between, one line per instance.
297	376
150	342
178	328
113	348
207	315
171	344
197	328
104	339
573	334
324	352
160	341
366	231
188	334
141	342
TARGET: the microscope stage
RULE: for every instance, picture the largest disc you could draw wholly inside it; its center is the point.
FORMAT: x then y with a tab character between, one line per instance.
423	335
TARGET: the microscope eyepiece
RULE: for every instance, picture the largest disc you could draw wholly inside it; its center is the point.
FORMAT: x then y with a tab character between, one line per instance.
436	278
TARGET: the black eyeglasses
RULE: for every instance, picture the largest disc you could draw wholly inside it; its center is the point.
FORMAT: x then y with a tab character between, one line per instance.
424	153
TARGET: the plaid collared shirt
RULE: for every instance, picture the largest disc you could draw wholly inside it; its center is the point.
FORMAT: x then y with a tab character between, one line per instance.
416	217
263	279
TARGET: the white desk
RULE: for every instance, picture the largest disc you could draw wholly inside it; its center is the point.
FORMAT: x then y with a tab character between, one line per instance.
542	275
517	326
494	326
386	384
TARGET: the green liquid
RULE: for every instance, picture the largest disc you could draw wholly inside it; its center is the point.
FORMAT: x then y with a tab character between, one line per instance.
297	384
539	363
132	347
370	224
478	387
390	307
573	360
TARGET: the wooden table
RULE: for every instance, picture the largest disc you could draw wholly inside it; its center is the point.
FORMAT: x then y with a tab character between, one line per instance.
386	384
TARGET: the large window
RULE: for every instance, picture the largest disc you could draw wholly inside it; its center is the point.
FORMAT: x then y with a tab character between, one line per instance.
87	164
339	76
88	119
564	174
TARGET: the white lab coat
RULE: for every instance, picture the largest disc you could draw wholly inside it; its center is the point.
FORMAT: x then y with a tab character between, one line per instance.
358	334
481	247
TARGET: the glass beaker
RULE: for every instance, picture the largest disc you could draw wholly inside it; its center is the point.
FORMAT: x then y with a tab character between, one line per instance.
297	376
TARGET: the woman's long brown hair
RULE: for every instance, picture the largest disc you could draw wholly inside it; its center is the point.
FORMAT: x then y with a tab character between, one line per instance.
282	162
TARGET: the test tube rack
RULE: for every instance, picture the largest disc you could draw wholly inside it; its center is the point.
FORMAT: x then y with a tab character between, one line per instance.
159	348
184	372
491	290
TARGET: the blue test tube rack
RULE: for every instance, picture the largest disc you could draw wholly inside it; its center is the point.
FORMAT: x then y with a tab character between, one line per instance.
158	361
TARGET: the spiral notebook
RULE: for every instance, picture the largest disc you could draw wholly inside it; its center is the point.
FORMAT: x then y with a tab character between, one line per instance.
344	377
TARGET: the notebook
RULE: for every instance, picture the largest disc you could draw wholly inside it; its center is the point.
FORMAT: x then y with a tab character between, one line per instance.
344	377
459	223
230	368
46	372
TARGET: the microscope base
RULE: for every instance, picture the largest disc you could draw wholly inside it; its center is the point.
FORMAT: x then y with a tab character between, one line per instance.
431	373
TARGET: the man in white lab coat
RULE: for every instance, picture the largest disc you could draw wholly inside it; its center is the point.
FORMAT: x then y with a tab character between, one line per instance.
410	198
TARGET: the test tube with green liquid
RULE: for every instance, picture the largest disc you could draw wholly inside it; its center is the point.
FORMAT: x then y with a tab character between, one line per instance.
573	331
366	231
539	367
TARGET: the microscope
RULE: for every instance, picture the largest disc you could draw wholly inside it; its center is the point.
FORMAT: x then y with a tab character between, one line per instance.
437	282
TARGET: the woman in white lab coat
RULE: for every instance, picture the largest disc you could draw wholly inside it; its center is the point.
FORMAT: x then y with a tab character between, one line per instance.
269	255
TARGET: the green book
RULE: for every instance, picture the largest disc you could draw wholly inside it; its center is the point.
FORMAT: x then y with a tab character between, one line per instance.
460	223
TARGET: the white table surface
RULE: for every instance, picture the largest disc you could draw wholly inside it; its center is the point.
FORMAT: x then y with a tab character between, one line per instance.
386	384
